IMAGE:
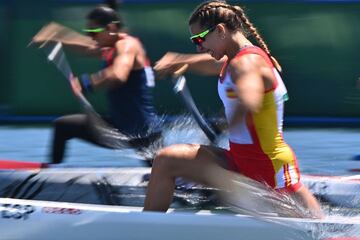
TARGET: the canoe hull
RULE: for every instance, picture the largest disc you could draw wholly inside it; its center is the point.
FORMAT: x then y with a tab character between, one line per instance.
43	220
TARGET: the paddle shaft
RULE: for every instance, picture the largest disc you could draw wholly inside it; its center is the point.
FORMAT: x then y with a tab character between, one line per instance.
58	57
182	90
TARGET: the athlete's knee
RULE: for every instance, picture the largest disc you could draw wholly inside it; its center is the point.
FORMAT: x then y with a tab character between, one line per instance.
60	122
163	157
166	152
170	158
62	128
176	159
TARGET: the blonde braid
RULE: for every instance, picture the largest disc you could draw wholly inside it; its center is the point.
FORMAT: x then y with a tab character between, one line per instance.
238	11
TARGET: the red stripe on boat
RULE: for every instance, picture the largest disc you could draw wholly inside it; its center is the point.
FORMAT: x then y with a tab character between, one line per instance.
13	164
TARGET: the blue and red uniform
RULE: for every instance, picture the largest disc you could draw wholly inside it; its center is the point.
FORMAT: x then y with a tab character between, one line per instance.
131	104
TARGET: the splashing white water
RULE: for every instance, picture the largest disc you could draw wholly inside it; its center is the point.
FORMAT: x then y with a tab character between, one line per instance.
183	129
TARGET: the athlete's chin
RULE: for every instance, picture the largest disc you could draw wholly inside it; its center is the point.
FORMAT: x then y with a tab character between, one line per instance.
213	54
216	57
101	44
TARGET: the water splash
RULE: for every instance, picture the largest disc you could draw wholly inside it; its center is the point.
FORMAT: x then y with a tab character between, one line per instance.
255	199
183	129
339	222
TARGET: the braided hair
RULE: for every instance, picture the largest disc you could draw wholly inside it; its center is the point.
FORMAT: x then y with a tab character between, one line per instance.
211	13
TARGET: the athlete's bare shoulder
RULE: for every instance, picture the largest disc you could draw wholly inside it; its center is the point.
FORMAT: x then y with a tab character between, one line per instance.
128	42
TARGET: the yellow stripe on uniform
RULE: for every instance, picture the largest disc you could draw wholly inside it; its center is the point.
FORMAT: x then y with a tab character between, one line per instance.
270	139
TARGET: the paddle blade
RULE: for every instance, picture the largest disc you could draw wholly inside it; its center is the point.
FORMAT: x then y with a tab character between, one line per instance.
56	55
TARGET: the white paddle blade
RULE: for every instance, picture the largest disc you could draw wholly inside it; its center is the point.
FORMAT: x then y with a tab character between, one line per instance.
179	84
54	51
56	55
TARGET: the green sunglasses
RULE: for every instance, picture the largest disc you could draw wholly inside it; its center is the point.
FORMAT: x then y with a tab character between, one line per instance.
198	39
92	31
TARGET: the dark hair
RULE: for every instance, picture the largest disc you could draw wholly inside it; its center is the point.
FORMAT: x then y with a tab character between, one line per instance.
114	4
211	13
104	15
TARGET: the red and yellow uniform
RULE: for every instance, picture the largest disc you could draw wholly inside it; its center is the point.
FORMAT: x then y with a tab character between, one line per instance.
257	147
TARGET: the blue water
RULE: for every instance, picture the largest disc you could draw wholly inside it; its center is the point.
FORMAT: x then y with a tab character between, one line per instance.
319	151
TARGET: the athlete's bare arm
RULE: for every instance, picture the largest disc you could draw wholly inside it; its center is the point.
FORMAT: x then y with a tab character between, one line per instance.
201	63
247	76
118	73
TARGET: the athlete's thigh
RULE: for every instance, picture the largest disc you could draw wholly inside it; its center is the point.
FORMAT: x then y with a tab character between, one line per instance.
191	160
77	126
72	122
220	153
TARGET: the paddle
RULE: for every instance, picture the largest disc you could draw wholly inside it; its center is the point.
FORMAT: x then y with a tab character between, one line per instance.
181	89
58	57
108	136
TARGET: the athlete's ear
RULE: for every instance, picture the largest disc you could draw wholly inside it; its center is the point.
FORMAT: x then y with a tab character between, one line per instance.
220	30
112	28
